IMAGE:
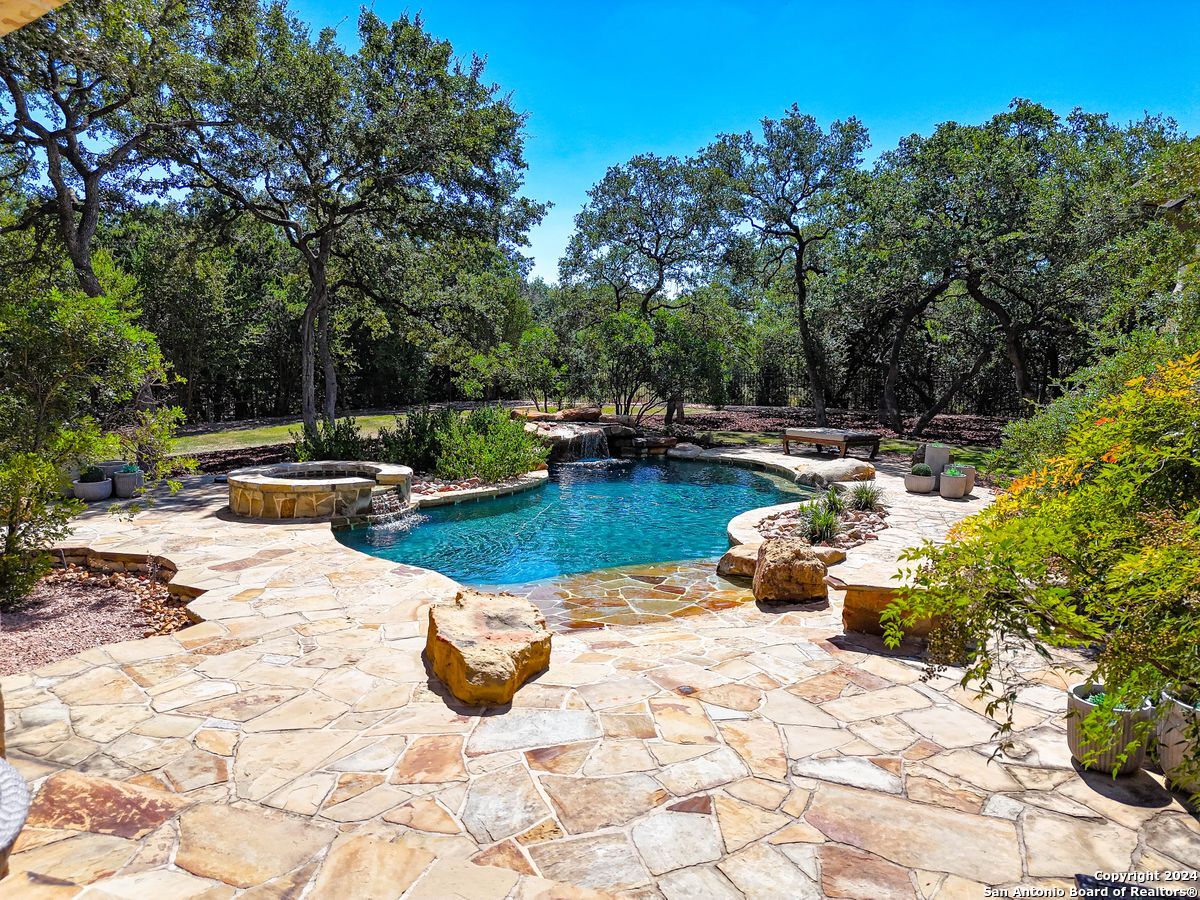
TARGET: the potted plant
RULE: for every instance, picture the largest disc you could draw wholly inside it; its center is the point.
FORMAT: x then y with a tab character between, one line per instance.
1178	734
920	480
92	485
1129	728
953	483
128	480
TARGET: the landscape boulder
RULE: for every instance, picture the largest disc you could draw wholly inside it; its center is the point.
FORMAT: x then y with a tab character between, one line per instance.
788	569
485	646
739	560
825	472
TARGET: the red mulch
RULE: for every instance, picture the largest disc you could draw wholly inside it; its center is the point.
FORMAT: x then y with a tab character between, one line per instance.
72	610
983	431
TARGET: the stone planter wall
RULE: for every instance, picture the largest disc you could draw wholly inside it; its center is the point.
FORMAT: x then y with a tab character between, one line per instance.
332	490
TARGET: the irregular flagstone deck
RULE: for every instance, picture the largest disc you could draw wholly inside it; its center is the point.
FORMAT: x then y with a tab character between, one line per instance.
294	741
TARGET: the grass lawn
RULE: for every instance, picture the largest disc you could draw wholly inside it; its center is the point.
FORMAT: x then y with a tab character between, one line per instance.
240	437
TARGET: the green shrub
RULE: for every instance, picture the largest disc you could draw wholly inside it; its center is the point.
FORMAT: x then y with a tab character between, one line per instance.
487	444
817	522
414	442
834	502
922	469
341	439
33	515
91	475
866	496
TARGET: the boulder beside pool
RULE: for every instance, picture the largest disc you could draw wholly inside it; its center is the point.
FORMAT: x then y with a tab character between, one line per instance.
485	646
788	569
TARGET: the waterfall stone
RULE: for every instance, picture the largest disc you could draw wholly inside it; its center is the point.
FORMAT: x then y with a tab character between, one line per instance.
485	646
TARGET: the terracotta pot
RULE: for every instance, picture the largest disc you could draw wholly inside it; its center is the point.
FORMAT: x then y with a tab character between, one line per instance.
952	487
1177	731
92	491
1079	707
919	484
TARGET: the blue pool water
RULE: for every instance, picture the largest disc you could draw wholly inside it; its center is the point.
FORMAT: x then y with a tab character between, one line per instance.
588	516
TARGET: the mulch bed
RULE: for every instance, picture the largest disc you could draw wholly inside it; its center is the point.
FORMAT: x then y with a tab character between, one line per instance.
983	431
73	609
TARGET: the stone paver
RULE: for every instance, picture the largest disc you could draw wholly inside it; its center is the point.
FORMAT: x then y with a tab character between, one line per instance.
294	743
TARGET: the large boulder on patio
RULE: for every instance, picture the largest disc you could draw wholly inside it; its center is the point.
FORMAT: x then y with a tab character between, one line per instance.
824	472
485	646
788	569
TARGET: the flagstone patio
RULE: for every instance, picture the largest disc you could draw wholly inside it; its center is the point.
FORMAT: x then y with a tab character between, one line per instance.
295	741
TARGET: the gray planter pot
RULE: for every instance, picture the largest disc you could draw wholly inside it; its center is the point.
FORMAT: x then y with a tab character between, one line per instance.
1176	741
14	808
127	484
952	487
109	466
937	458
92	491
969	471
1079	707
919	484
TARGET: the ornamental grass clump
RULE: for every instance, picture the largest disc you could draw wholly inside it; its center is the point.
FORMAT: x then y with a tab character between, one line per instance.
1096	548
866	497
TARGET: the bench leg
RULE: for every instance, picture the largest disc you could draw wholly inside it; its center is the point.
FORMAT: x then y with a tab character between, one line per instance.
786	449
845	447
874	450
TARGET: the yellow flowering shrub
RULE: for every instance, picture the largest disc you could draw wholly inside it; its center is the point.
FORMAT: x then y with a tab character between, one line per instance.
1098	548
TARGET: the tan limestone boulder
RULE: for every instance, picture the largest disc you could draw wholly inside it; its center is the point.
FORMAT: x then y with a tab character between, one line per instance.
831	556
863	605
824	472
485	646
739	560
788	569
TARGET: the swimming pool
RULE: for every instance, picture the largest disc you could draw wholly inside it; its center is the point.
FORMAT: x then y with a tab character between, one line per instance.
588	516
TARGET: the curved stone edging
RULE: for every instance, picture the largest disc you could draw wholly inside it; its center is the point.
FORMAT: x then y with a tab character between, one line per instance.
743	528
525	482
290	490
802	470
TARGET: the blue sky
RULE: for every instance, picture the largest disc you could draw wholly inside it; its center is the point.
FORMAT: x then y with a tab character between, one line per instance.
602	81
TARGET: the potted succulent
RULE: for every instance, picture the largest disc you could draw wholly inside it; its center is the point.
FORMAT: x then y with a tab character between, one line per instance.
920	480
953	483
1178	733
92	485
128	480
1129	728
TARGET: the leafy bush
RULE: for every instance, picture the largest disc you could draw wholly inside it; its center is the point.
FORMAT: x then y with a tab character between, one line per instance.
834	502
414	442
866	496
91	475
488	444
341	439
922	469
150	440
820	523
1098	546
33	515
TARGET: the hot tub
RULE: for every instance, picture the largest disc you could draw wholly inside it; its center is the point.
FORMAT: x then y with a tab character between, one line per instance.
326	489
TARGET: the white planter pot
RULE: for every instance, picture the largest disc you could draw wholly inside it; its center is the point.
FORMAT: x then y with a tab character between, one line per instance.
110	466
1176	741
952	487
969	471
1078	709
92	491
127	484
14	808
937	458
919	484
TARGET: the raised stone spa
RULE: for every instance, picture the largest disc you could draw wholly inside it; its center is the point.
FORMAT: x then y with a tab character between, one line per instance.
334	490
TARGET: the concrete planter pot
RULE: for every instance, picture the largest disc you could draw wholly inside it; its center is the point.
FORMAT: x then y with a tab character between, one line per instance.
952	487
92	491
969	471
919	484
1078	709
1177	730
127	484
14	809
110	466
937	458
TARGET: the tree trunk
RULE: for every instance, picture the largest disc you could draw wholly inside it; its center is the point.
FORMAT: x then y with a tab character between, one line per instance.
955	386
674	411
327	367
308	363
808	344
1014	349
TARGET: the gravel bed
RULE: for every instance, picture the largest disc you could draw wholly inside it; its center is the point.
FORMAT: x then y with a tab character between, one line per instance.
73	610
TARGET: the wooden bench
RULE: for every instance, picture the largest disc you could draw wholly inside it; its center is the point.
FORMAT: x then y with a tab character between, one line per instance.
830	437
